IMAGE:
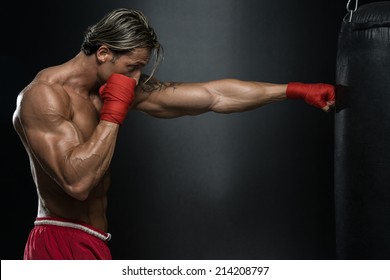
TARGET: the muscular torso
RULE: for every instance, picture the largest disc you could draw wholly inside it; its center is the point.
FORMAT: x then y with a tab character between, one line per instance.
82	111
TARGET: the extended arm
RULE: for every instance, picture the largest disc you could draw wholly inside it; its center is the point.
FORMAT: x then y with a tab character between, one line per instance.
168	100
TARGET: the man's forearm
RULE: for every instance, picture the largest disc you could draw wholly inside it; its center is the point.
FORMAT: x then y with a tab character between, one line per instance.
237	96
84	165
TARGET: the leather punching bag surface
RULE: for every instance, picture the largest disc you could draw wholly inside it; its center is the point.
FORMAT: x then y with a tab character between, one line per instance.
362	135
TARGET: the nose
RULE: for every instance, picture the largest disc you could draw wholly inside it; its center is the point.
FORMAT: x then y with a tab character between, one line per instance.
136	75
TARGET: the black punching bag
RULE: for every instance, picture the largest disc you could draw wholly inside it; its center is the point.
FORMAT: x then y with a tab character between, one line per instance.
362	134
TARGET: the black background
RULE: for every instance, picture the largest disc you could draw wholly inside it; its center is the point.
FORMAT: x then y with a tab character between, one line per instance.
253	185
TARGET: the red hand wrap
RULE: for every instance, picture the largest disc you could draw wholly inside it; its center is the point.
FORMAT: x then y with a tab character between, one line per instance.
314	94
117	95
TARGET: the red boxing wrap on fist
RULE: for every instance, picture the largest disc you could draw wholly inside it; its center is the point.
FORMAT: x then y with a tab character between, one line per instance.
318	95
117	95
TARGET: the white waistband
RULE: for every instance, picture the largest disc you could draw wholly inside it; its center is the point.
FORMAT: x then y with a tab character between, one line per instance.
74	225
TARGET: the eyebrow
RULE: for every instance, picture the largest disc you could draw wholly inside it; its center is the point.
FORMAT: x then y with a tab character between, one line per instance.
141	61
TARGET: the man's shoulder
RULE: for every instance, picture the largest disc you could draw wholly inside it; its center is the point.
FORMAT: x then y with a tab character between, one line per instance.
43	93
38	89
45	82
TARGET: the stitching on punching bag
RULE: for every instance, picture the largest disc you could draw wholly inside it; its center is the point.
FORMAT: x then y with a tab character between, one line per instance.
369	25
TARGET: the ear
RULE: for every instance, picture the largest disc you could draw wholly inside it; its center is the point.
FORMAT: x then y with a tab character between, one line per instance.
103	54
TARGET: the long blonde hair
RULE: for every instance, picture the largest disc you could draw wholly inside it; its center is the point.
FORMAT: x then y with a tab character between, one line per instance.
122	31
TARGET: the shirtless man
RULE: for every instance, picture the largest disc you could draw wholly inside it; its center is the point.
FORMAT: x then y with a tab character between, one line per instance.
69	116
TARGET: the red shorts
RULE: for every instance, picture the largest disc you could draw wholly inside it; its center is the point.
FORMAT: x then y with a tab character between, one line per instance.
62	239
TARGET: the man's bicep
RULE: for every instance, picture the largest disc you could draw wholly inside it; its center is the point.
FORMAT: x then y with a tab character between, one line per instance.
170	100
49	134
53	149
